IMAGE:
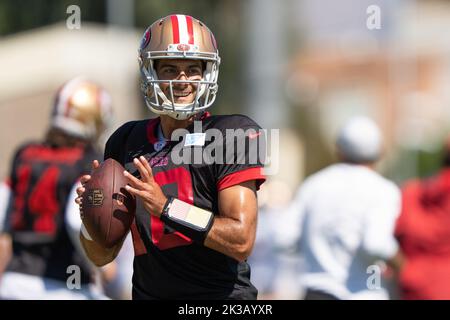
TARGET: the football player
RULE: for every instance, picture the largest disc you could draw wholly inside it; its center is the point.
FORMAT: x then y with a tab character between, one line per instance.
44	250
195	220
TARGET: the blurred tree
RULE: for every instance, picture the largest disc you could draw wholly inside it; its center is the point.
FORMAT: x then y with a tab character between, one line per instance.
412	163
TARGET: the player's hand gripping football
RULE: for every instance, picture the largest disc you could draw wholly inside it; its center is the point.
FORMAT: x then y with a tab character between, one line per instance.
80	190
146	188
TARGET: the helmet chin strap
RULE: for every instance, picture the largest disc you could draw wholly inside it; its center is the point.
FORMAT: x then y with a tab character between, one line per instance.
180	115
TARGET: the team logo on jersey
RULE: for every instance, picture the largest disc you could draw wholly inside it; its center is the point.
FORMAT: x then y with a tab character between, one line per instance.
159	161
95	197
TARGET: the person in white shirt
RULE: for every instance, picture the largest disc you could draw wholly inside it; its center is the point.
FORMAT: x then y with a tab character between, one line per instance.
342	220
5	193
5	243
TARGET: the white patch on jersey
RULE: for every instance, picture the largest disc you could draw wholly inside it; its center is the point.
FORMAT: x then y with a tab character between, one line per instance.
195	139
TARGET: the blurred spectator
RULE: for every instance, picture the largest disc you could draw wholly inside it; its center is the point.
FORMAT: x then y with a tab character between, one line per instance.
44	242
5	242
423	232
342	220
272	268
5	192
264	259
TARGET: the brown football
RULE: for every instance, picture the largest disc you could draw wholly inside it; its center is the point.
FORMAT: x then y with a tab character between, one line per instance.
107	208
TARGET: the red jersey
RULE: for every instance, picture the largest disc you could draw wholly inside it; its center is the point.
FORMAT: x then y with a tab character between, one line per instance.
423	231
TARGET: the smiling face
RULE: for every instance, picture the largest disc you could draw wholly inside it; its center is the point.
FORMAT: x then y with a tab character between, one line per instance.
179	69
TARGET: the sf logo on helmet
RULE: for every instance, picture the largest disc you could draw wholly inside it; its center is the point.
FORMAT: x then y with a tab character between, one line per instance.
183	47
146	38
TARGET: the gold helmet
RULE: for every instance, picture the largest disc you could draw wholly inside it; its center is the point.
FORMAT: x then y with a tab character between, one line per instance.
178	37
82	109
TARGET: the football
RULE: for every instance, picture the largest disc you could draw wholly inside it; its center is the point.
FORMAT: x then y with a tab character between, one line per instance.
107	208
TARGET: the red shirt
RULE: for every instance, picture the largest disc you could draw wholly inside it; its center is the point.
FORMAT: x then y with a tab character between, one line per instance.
423	231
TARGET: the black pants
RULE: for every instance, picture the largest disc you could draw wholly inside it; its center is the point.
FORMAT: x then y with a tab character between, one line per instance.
312	294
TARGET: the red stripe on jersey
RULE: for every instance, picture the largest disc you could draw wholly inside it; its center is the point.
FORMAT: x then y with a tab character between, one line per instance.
175	29
190	28
235	178
182	178
152	124
43	153
8	182
23	179
173	240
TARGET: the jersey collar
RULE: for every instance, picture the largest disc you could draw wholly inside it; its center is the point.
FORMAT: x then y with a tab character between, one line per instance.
154	132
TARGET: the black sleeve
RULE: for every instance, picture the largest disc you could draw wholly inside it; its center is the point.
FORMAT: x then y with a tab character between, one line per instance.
244	150
14	163
12	178
115	146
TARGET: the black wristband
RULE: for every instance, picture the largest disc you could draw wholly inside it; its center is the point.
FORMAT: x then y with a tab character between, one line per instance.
166	206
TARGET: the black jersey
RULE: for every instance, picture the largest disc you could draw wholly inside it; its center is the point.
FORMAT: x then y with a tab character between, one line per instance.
167	264
41	179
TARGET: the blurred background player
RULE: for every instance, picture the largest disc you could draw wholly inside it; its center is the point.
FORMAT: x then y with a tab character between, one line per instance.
342	220
44	242
423	232
5	241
